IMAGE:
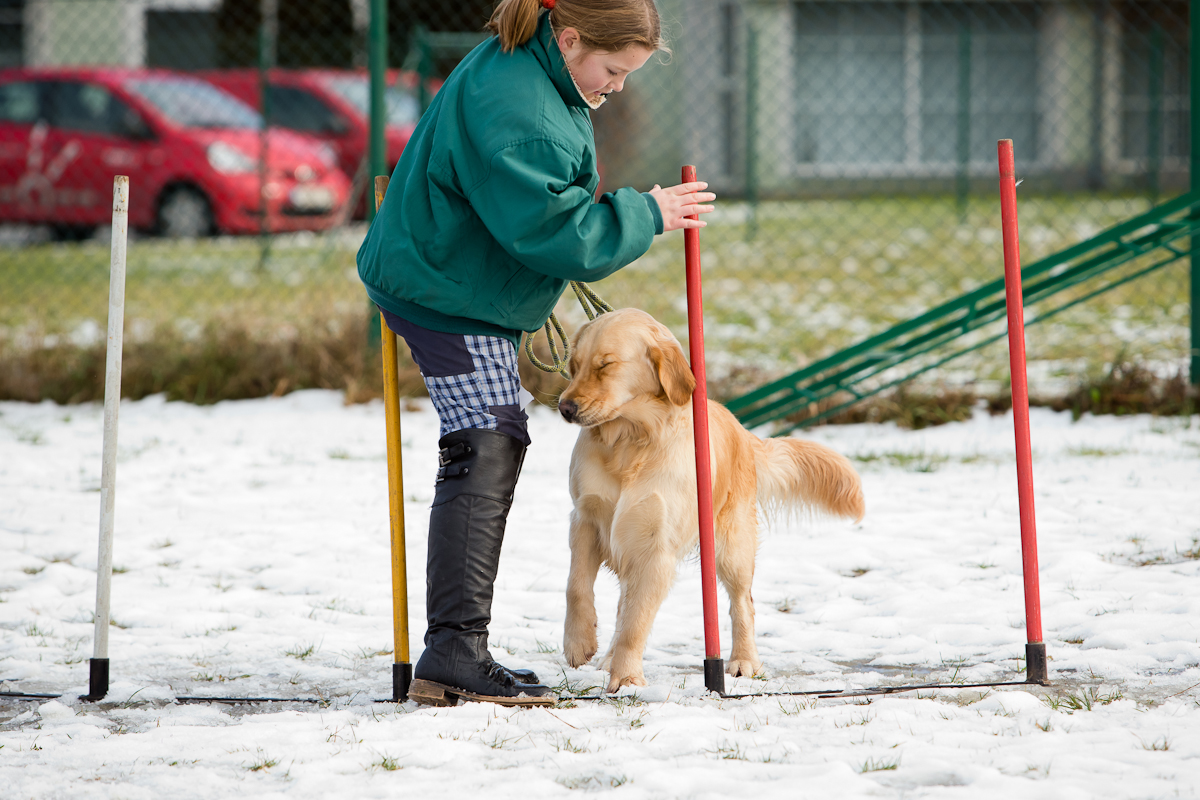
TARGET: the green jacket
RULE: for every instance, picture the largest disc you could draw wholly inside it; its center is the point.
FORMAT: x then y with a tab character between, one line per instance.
491	209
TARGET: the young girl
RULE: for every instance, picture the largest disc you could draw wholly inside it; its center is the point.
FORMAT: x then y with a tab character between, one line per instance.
490	213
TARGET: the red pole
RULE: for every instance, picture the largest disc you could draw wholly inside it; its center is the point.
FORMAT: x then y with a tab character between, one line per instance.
714	668
1035	649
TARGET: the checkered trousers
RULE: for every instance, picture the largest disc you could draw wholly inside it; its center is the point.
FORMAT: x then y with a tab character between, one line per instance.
472	380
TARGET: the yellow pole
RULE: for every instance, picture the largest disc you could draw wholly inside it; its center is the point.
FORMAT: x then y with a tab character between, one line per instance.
401	667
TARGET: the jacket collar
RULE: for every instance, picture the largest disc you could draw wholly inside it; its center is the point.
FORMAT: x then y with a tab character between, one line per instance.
545	49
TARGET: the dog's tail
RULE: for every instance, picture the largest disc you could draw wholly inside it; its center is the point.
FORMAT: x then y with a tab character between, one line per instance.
794	472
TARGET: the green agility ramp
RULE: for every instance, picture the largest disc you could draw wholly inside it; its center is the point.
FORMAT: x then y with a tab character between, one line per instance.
1164	234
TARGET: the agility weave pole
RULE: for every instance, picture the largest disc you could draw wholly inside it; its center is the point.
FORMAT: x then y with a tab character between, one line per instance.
401	664
714	665
99	663
1035	649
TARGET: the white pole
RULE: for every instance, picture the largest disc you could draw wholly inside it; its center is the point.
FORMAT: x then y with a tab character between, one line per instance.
112	400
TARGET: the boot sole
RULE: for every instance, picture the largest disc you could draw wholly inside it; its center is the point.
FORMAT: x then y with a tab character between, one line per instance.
430	693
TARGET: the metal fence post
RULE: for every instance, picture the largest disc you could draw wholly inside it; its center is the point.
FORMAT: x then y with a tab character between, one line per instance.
962	185
377	58
1194	55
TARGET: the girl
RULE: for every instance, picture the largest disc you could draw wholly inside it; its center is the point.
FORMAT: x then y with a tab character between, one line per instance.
490	213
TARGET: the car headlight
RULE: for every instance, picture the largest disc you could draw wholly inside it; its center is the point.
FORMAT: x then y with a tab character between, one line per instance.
228	159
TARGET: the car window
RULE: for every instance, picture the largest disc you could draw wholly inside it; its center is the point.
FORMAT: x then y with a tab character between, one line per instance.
88	108
300	110
403	108
19	103
193	103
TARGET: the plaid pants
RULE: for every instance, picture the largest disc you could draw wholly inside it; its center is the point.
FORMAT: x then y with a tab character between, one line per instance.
472	380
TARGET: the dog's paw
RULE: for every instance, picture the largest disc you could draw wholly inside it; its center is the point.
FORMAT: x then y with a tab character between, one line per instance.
745	668
615	682
578	654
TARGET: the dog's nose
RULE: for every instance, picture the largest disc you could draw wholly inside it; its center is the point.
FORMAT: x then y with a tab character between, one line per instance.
568	409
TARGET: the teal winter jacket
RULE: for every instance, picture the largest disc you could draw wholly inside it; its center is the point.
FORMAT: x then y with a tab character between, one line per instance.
491	209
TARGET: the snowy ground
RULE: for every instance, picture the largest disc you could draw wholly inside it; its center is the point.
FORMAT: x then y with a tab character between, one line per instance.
252	559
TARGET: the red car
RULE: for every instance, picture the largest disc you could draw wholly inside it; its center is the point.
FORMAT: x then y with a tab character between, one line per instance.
190	149
332	105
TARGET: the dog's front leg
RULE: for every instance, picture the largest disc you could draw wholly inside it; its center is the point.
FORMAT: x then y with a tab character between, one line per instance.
579	631
645	564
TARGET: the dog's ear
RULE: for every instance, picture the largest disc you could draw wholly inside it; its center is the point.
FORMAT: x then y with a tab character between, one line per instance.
673	372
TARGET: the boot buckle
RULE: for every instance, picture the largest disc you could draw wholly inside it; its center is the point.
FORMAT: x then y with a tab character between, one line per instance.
451	471
452	452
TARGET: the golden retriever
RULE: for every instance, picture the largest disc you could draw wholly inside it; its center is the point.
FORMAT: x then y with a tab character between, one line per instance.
633	484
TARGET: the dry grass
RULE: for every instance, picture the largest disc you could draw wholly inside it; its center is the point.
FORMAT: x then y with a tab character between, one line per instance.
228	361
1125	389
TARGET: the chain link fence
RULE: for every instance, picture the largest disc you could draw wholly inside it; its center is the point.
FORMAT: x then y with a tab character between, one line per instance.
852	145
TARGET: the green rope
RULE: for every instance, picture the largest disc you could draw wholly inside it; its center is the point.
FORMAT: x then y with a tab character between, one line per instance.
593	306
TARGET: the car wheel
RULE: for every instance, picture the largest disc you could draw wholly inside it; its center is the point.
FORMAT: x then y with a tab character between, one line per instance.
185	213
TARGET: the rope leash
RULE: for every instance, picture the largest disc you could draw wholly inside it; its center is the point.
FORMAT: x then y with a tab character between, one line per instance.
593	306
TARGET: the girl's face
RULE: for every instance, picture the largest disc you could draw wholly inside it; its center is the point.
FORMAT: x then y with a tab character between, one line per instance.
597	72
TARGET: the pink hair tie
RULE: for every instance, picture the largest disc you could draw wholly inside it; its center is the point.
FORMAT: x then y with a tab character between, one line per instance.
548	4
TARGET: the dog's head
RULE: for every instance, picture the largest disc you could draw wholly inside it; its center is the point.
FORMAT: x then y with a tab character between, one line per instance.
624	364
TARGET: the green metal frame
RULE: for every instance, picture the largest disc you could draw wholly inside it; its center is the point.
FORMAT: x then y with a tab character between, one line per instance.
873	365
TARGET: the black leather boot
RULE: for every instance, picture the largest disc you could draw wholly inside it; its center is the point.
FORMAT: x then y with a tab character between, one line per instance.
478	473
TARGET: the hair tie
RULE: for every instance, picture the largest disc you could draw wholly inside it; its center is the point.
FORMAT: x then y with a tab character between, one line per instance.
548	4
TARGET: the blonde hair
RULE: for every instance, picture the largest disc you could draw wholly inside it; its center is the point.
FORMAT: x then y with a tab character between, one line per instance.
605	25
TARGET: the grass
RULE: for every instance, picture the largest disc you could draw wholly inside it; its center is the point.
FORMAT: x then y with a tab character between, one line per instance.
207	320
879	765
1084	700
301	652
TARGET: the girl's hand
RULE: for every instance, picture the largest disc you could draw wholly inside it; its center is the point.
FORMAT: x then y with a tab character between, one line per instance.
677	203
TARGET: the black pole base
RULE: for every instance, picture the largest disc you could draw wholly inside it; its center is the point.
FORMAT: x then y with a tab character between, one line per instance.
97	680
1036	669
714	675
401	680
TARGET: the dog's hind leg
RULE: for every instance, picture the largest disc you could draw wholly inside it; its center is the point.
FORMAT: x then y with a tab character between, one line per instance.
735	553
589	521
645	564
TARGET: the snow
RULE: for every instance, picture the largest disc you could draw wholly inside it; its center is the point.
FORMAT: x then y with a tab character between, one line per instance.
252	560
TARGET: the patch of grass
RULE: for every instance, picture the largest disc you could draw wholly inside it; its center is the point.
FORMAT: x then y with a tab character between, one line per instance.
564	744
911	462
598	781
33	570
1127	388
1162	744
546	647
1085	700
225	359
1095	452
879	765
263	761
387	763
1193	552
1130	388
730	752
301	652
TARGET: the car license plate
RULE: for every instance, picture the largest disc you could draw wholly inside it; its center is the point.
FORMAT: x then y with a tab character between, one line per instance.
311	198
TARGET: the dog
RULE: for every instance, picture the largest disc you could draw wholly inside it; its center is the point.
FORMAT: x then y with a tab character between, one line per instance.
633	486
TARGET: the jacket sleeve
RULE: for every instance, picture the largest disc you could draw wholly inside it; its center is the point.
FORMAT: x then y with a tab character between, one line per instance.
541	218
